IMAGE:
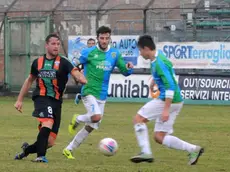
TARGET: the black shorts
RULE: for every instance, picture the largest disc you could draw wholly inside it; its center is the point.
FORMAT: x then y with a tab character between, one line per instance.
46	108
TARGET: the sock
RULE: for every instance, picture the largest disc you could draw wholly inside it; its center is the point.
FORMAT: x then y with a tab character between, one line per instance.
78	139
42	141
176	143
31	149
143	137
84	118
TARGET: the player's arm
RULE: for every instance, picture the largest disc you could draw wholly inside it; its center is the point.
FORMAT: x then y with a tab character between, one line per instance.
26	86
170	86
78	76
74	71
152	83
125	68
83	59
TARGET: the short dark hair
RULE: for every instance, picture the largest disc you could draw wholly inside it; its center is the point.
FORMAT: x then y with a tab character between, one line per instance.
146	41
103	29
52	35
91	39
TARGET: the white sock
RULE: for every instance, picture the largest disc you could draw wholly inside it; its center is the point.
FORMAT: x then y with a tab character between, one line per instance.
176	143
84	118
143	137
78	139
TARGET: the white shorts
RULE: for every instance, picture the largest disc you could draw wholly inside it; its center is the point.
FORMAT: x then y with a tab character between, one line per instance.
93	106
153	111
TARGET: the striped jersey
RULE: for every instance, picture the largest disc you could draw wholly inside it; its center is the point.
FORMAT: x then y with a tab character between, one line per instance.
164	76
52	76
98	66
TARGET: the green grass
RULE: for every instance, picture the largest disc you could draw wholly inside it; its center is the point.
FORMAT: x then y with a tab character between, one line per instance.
204	125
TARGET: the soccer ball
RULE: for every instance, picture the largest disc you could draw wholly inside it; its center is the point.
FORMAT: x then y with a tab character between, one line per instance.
108	146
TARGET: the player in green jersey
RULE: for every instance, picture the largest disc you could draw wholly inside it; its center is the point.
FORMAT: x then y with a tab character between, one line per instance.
99	62
163	110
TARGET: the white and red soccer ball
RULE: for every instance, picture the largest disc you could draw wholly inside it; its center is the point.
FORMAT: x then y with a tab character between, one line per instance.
108	146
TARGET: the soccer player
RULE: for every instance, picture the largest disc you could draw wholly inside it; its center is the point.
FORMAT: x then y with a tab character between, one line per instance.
51	74
91	42
163	110
99	61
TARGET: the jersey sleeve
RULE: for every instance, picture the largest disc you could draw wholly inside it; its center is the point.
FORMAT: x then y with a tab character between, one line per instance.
122	66
34	69
167	78
68	66
84	56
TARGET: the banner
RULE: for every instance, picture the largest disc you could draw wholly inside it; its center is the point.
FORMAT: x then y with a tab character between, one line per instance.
133	86
205	87
183	55
198	55
127	45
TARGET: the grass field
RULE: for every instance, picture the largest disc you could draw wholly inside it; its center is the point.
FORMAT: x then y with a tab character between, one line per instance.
208	126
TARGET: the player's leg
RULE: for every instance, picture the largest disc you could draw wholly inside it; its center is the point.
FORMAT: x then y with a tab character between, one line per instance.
44	113
92	116
148	112
87	129
42	139
98	109
57	121
77	98
163	131
93	110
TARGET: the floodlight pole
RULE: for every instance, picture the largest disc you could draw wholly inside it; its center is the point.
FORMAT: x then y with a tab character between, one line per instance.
97	12
194	25
145	15
58	4
145	21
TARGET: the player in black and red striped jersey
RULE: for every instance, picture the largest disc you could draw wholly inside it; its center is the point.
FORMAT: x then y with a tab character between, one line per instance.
51	74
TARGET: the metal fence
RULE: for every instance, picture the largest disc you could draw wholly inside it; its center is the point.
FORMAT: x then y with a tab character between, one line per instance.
25	23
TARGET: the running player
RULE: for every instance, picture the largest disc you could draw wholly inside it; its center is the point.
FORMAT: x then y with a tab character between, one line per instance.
99	61
51	74
163	110
90	43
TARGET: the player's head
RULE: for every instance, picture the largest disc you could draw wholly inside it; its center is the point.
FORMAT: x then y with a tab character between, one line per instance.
52	44
146	46
103	37
91	42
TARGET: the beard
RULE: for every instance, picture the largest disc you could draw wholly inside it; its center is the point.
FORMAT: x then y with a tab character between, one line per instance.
52	55
102	47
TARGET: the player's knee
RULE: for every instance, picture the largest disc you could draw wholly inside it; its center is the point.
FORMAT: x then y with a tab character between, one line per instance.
139	119
48	124
88	128
96	118
159	137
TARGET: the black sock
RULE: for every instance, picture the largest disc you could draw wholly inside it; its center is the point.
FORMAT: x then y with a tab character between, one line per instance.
42	141
31	149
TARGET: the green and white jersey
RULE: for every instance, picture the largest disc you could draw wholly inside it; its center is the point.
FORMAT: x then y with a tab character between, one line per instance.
98	66
164	76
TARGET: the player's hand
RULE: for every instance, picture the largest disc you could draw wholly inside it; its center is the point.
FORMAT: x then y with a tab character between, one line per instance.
165	116
18	106
129	65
